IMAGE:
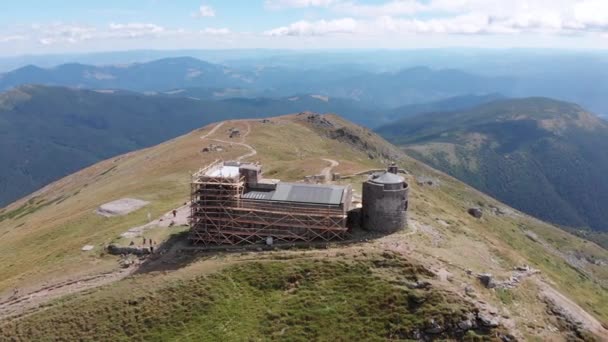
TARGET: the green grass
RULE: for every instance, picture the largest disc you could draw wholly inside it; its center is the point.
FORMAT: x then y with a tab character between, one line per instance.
276	300
506	296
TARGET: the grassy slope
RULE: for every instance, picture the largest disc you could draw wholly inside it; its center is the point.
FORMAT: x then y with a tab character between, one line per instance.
45	244
300	300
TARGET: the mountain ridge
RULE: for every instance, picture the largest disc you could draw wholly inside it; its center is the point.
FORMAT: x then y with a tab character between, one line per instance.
43	234
540	155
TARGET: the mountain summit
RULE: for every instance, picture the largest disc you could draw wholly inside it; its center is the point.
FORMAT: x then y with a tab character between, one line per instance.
497	274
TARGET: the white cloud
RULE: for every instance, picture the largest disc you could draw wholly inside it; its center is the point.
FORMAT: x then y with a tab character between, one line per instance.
215	31
564	17
205	12
316	28
278	4
63	33
134	30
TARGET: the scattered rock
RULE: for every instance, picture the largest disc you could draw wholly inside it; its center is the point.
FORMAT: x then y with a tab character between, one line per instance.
475	212
434	328
507	338
470	291
487	280
427	181
487	321
425	285
532	236
86	248
466	324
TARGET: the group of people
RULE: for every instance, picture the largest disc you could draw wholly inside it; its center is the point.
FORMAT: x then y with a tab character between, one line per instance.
144	241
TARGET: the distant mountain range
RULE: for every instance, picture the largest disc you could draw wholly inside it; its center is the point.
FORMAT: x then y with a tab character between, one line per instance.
542	156
367	86
49	132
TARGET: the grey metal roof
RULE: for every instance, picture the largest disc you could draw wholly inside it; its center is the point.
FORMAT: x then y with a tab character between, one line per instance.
387	178
259	195
302	193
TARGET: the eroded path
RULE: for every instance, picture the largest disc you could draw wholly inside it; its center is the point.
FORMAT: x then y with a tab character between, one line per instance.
326	172
20	304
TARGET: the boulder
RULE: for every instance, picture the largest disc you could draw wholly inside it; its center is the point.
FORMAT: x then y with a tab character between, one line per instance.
465	325
475	212
487	280
487	320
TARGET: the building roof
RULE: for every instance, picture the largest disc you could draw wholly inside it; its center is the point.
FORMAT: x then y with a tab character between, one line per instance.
387	178
223	171
302	193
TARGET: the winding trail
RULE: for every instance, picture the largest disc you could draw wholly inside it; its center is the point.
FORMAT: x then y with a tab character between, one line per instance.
252	151
326	172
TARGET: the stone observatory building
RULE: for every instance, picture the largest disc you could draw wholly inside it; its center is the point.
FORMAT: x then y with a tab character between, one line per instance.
385	201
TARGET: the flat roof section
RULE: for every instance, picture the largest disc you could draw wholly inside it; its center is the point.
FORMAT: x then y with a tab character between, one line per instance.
223	171
301	193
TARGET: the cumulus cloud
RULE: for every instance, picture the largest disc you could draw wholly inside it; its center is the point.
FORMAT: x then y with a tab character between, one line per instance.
205	12
315	28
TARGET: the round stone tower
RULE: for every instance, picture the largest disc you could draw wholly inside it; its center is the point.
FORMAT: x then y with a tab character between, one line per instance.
385	201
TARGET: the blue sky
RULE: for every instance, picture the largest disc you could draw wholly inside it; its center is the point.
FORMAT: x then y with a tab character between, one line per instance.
32	27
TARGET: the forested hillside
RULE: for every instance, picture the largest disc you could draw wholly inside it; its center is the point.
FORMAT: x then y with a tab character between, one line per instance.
542	156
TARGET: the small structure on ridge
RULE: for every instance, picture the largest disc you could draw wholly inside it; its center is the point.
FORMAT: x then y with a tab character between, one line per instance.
385	201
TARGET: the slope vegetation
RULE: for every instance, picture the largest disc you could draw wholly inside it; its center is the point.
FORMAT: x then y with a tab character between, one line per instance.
542	156
373	288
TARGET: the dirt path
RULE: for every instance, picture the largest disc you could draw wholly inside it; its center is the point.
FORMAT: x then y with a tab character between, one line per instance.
213	130
252	151
19	304
326	172
165	221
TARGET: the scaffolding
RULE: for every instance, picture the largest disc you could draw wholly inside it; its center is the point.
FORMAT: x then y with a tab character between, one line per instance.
219	215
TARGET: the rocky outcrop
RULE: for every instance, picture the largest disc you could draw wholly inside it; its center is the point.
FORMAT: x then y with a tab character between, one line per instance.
519	273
